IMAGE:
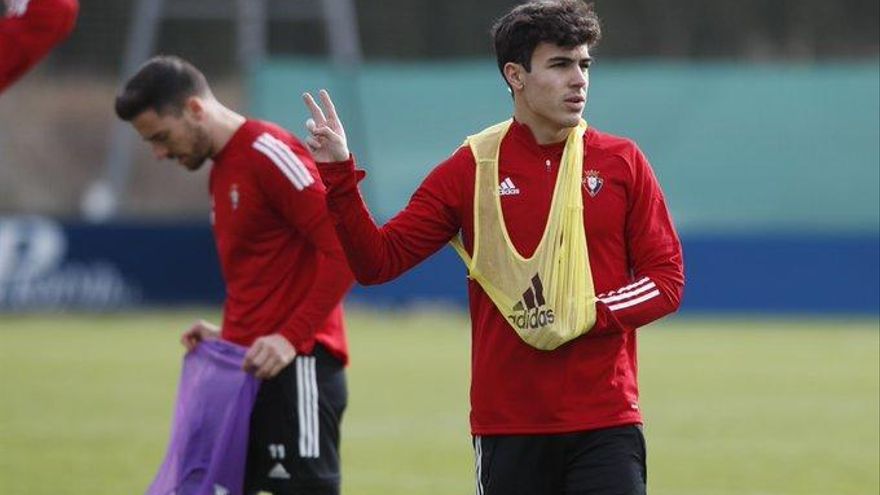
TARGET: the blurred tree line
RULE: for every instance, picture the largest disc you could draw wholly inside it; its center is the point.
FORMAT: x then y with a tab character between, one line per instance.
56	122
753	30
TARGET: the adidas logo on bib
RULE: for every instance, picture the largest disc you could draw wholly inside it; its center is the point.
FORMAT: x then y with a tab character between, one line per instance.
529	313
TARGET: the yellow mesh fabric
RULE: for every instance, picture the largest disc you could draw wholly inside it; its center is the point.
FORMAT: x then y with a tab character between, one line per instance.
548	299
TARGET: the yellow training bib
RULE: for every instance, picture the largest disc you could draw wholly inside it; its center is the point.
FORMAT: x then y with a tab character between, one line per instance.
548	299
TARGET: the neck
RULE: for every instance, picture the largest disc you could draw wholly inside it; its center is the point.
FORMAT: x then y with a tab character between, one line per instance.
545	132
225	124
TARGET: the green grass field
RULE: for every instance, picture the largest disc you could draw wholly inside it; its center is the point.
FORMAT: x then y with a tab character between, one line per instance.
744	407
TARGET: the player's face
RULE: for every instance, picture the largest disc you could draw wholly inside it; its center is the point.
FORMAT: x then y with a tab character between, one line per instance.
175	137
553	94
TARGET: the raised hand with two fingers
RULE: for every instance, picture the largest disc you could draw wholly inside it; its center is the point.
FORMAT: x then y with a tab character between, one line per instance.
326	139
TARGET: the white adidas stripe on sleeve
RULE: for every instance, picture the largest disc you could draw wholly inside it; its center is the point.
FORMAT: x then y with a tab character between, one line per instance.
637	283
285	159
633	302
626	294
17	8
631	295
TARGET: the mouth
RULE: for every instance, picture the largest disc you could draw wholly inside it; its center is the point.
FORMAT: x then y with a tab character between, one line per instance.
575	103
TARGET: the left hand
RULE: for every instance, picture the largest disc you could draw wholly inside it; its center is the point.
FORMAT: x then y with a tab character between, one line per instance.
268	355
200	331
326	140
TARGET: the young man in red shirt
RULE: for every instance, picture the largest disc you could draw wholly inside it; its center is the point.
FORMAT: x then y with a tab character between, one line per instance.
29	31
545	422
284	270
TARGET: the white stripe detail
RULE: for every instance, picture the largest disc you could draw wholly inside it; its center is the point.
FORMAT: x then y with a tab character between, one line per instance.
633	302
17	8
285	159
312	383
478	455
300	401
279	162
298	168
626	288
627	295
307	407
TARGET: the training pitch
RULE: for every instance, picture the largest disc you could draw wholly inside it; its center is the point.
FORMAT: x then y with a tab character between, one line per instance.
732	407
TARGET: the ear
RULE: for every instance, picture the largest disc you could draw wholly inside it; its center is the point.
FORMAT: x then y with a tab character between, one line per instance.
195	107
514	74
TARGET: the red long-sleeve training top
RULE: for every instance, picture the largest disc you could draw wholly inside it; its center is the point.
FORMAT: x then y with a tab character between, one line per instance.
635	257
283	267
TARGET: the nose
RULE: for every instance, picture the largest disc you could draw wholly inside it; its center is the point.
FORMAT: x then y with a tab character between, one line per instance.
581	78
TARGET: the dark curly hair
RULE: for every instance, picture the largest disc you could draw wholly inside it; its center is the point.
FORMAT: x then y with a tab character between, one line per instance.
162	84
566	23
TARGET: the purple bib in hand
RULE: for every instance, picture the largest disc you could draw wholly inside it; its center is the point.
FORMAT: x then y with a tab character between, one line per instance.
209	437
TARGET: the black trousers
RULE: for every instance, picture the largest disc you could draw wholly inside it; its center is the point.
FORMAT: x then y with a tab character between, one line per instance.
609	461
294	430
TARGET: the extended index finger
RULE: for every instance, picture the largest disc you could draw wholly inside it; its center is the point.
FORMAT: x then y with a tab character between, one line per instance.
314	109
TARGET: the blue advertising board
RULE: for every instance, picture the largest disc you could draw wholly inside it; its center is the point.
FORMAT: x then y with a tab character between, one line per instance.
50	265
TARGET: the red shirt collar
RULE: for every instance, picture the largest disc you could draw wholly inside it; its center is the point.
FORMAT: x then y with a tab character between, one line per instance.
523	134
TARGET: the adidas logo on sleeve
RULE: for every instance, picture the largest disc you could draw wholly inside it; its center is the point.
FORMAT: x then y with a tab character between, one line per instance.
506	188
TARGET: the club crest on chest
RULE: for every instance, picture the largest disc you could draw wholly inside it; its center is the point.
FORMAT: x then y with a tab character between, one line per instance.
592	182
234	196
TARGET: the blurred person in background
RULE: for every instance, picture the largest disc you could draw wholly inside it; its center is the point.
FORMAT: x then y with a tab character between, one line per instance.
284	270
554	407
30	29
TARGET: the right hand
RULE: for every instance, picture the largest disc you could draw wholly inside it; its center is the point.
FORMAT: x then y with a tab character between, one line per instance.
326	138
198	332
268	355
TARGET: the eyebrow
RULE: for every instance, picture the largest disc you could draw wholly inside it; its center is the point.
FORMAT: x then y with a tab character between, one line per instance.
568	59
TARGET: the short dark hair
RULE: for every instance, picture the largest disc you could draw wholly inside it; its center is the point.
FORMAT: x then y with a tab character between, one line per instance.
162	84
566	23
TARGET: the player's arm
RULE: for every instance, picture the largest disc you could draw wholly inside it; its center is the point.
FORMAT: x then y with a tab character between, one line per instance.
655	255
29	31
300	197
379	254
332	282
270	354
303	204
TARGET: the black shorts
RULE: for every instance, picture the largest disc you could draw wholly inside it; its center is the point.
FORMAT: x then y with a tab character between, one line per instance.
294	431
609	461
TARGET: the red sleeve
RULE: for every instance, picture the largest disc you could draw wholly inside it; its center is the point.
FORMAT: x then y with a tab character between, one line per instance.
426	224
303	204
29	31
654	254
